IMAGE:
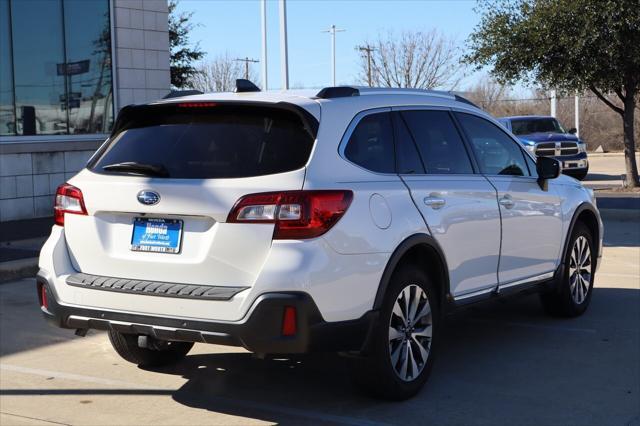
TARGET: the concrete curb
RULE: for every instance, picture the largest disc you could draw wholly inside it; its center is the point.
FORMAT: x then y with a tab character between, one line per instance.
17	269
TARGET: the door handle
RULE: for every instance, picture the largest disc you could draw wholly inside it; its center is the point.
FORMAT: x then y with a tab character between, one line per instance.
434	202
507	202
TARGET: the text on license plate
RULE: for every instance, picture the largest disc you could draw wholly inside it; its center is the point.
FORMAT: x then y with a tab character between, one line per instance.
156	235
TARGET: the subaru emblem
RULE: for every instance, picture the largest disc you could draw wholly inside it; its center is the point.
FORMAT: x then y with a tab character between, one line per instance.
148	198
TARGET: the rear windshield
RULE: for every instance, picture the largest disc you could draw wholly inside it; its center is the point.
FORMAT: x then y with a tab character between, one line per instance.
208	142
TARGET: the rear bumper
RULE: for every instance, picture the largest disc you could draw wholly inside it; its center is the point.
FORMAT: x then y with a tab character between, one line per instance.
260	330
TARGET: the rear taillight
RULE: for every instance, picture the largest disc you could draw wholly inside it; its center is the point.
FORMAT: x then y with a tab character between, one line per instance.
296	214
68	200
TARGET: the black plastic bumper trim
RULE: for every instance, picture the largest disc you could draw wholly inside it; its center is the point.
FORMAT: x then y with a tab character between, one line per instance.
260	330
153	288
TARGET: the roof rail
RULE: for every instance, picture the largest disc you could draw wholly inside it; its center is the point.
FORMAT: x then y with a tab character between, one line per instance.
338	92
348	91
464	100
243	85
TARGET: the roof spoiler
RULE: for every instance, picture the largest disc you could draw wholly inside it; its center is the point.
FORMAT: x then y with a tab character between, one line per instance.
180	93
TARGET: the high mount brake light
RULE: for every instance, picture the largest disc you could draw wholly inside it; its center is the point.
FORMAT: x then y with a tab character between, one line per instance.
69	199
296	214
196	104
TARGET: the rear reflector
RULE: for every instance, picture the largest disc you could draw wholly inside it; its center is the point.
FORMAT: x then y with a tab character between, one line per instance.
42	296
69	199
296	214
289	326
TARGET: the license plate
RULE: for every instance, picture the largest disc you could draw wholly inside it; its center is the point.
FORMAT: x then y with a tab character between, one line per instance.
156	235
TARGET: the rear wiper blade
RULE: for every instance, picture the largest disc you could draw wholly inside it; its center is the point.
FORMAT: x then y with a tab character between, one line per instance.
138	168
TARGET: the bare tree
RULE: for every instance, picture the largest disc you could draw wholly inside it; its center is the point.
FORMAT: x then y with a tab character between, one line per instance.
487	93
415	59
219	74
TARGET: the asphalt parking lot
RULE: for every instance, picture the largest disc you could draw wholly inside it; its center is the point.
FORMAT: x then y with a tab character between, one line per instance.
504	362
501	363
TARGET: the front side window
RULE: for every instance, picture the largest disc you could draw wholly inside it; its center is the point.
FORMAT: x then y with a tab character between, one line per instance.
496	152
439	142
371	144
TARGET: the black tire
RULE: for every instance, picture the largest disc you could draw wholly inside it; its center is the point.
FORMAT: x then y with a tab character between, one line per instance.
374	372
126	345
561	301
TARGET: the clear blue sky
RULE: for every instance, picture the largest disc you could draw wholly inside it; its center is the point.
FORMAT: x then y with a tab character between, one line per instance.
234	27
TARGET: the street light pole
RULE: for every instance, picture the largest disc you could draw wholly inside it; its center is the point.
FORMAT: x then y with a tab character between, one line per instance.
576	106
332	31
263	12
284	54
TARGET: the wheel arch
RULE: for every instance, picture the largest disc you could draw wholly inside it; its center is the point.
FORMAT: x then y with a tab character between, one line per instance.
421	249
587	214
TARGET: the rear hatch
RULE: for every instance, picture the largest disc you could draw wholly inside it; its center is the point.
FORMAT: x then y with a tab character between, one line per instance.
158	193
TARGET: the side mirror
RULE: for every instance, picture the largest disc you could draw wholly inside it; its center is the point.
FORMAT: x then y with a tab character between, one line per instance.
573	130
547	168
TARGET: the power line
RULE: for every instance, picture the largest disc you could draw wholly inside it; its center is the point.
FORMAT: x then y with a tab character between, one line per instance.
246	61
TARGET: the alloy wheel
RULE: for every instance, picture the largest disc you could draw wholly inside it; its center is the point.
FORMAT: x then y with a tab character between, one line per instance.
410	332
580	270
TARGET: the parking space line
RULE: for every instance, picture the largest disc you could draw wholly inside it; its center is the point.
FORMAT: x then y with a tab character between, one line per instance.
71	376
34	418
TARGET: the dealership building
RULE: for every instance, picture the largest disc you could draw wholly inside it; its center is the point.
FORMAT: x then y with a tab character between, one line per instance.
66	68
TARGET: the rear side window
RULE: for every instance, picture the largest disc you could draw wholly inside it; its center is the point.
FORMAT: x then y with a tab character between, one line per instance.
210	142
440	144
371	144
496	152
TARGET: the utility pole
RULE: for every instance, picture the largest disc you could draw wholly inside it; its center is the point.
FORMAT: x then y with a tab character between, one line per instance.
554	101
332	31
368	49
246	61
284	52
263	13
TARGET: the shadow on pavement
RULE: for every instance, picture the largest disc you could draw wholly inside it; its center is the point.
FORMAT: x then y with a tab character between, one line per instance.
501	362
602	177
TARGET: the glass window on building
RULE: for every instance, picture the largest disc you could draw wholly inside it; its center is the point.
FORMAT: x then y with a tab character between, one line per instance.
7	107
56	67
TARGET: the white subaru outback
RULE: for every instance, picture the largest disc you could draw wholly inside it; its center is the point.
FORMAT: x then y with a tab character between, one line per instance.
350	220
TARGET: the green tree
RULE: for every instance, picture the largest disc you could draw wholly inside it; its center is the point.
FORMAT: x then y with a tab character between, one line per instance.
183	54
570	45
